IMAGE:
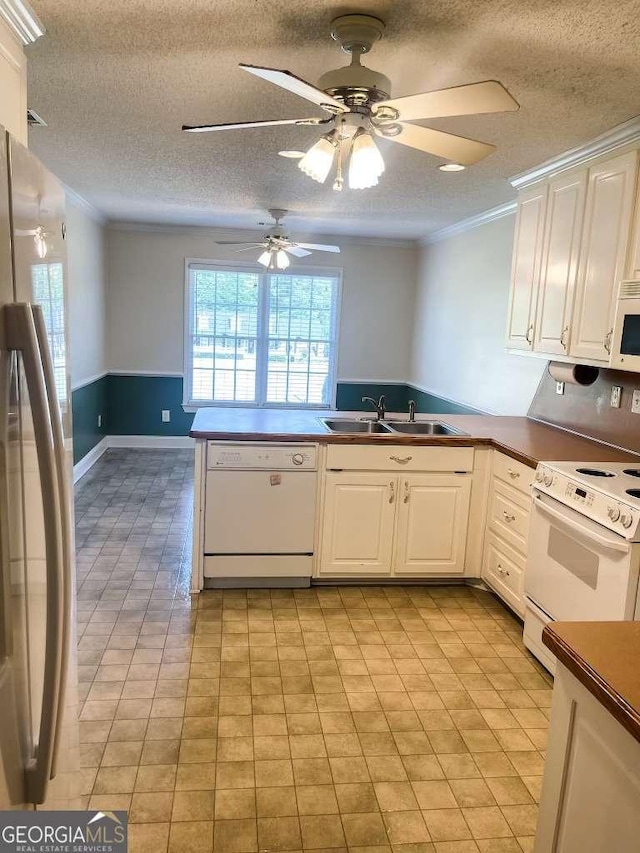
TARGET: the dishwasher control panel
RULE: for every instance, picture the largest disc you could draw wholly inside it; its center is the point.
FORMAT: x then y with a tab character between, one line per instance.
248	455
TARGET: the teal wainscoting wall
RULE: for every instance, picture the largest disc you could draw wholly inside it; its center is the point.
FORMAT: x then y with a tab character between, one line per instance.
133	404
87	402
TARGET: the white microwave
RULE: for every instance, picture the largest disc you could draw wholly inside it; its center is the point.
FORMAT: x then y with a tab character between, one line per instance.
625	344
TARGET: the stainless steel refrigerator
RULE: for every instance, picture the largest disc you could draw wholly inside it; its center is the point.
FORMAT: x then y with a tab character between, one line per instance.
39	750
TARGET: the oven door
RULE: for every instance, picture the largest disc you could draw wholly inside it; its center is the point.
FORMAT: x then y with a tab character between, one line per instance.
625	345
577	570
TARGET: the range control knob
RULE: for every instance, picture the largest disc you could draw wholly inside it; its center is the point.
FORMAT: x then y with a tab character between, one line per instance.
297	458
539	476
626	520
613	512
548	479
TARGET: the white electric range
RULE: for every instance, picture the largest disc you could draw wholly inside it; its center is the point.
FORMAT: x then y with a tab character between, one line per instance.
583	559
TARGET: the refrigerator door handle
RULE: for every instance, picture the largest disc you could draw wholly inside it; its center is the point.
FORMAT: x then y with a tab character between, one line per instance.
21	335
64	503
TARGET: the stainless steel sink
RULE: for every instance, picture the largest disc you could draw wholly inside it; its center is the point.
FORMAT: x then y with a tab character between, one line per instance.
424	428
353	425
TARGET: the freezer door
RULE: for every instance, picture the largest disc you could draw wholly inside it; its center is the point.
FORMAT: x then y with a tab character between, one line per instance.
39	279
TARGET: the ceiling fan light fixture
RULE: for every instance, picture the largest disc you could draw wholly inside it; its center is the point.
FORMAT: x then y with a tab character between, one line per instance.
265	258
452	167
366	163
282	259
318	160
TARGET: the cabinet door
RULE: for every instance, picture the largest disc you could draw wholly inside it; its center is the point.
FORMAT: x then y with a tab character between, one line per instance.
433	513
605	236
563	229
633	265
525	267
358	522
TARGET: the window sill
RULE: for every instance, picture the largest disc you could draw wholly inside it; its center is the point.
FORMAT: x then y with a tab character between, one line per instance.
191	407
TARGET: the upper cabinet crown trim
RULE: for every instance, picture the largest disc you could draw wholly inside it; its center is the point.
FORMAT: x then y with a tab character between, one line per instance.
625	134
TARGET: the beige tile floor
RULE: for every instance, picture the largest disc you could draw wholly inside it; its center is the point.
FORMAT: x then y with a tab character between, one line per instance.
371	719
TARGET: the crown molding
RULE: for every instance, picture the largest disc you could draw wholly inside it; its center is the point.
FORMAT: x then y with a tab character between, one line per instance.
251	234
621	136
22	20
470	222
85	206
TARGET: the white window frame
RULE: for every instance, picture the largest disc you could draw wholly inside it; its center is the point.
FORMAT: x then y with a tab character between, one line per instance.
190	405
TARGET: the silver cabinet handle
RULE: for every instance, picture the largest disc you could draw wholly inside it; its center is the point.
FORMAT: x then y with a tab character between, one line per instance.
563	337
21	336
407	493
401	460
508	516
503	571
392	492
65	503
513	474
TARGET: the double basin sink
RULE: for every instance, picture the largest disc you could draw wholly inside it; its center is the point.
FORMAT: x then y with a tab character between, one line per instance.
370	426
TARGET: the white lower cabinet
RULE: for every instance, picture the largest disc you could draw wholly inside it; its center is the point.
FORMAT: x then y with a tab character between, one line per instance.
383	523
431	527
358	521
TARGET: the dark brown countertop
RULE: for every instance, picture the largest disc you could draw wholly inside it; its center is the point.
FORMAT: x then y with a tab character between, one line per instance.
521	438
605	658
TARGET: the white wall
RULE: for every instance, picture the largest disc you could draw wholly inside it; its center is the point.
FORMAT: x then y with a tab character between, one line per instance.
87	291
145	302
460	316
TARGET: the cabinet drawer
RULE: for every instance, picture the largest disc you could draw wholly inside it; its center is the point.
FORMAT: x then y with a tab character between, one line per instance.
362	457
509	514
513	472
503	570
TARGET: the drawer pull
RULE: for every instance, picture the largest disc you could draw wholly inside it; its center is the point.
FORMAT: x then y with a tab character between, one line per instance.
401	460
513	474
406	491
392	492
508	516
502	571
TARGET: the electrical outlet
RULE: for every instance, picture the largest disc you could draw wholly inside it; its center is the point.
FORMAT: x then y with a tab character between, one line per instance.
99	421
559	387
616	394
166	416
635	403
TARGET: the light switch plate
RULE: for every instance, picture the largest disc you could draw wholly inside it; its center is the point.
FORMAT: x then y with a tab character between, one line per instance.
635	403
99	421
559	387
616	394
166	416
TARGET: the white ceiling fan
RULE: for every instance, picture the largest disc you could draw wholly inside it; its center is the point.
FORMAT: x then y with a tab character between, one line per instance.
277	245
359	107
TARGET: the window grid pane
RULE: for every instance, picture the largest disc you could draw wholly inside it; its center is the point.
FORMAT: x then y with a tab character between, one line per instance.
47	283
295	351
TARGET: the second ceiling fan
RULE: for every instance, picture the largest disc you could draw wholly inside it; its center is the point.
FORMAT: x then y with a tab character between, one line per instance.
357	101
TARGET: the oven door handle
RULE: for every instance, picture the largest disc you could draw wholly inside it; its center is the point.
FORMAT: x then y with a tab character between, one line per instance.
573	527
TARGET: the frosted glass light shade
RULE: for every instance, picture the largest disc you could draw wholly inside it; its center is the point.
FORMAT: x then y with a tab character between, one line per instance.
282	260
265	258
366	163
318	160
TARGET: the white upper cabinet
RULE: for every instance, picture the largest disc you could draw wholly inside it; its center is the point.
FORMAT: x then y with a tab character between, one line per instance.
563	229
433	512
605	240
13	84
525	268
633	265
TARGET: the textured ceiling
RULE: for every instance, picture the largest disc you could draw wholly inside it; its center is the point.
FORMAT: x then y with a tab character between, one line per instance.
115	79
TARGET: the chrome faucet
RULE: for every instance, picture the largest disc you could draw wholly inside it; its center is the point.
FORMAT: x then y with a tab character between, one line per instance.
412	411
378	405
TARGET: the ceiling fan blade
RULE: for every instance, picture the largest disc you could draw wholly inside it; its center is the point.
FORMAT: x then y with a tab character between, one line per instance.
240	125
247	248
289	81
319	247
458	149
239	243
476	98
298	251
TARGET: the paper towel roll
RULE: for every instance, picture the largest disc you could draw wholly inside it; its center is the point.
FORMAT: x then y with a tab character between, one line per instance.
574	374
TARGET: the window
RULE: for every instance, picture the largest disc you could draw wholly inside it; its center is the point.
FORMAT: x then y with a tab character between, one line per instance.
47	284
260	338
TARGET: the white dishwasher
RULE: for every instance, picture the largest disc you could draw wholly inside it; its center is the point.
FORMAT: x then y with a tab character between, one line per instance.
259	516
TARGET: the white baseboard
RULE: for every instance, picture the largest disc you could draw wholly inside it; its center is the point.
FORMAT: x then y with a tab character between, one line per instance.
153	442
90	459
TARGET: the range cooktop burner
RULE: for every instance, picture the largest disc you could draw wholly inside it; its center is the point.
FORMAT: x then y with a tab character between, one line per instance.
632	472
634	493
594	472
